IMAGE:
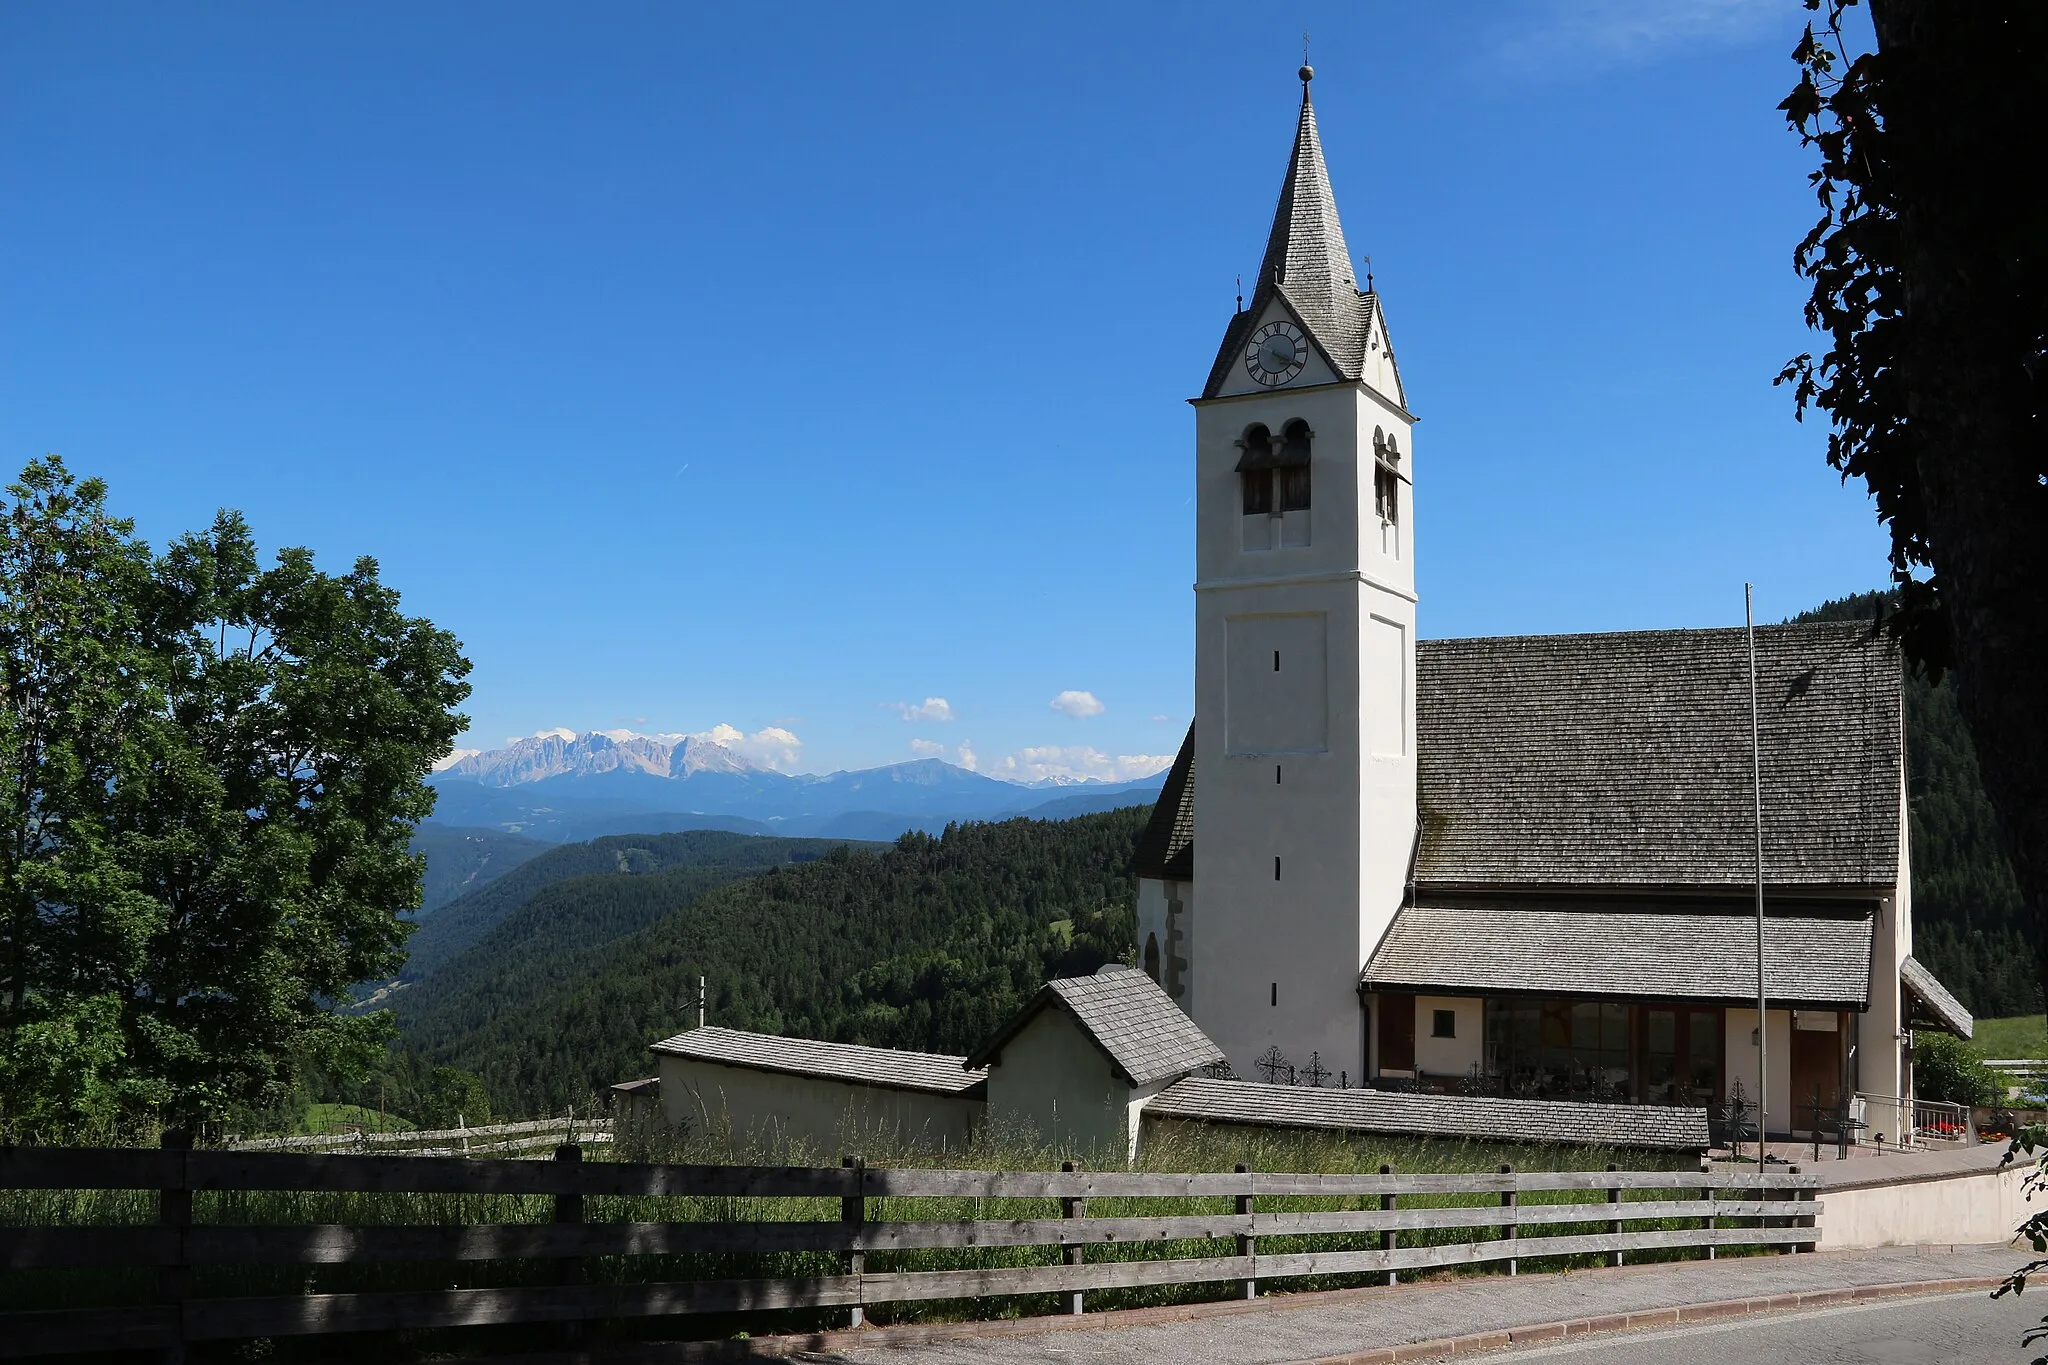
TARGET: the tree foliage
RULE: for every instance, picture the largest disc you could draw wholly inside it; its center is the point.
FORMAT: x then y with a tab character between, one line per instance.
1930	282
213	769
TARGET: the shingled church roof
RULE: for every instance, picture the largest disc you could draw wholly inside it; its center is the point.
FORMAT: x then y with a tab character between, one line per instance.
1167	847
1623	760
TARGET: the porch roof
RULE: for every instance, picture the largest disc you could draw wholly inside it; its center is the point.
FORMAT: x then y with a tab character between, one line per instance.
1661	954
1934	1000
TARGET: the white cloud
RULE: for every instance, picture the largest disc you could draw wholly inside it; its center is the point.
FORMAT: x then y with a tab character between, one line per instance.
771	746
927	748
1037	763
1162	720
931	708
453	757
1575	37
968	760
1077	704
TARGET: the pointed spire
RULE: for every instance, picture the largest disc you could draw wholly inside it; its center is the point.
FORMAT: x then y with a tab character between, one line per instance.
1306	254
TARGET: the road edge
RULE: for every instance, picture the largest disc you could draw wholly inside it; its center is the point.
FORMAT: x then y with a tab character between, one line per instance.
1474	1343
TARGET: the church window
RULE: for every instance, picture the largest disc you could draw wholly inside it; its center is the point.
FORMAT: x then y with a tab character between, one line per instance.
1276	995
1274	477
1443	1023
1386	477
1276	867
1276	774
1152	956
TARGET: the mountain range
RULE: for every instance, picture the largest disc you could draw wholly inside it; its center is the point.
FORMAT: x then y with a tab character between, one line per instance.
561	787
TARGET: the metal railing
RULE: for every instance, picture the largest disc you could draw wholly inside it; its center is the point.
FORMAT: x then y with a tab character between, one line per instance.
1916	1123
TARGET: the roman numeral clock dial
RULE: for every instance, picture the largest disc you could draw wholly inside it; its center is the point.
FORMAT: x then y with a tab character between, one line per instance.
1276	353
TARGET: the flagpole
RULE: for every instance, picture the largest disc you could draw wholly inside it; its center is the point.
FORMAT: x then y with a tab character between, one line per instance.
1756	769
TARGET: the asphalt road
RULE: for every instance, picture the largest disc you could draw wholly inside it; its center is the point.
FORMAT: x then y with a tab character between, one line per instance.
1954	1329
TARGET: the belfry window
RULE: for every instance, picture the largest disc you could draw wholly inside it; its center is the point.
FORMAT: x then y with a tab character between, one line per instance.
1274	473
1386	477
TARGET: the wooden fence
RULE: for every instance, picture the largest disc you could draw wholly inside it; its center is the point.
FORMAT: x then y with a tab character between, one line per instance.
1717	1210
491	1139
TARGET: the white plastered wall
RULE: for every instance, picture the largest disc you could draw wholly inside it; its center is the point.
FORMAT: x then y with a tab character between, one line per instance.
1881	1066
1279	958
823	1113
1449	1056
1053	1080
1740	1050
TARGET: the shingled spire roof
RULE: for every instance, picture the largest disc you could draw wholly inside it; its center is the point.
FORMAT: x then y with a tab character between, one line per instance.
1307	262
1305	253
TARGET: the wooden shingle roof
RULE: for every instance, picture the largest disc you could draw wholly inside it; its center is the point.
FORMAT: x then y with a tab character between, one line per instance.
1659	953
884	1066
1167	847
1125	1014
1565	1122
1623	761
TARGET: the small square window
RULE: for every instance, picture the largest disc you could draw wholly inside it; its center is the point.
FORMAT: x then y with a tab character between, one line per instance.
1443	1023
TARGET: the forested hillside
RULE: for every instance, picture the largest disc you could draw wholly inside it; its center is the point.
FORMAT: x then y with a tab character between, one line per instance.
927	943
461	859
714	854
1969	925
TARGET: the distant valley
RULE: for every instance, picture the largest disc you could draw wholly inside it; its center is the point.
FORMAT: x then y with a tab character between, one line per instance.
558	788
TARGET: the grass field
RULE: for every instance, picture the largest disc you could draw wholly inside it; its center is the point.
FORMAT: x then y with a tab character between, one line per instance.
332	1118
2024	1035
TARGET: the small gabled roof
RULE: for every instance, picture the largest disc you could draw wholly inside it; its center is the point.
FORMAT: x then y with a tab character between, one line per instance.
883	1066
1125	1014
1944	1009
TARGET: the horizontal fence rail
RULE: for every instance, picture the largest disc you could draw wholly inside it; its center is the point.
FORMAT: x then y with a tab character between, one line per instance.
1253	1246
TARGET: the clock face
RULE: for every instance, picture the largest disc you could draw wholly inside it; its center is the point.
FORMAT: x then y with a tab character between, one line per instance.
1276	353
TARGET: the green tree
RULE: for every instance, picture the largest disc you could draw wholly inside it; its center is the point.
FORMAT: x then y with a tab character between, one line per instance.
1952	1071
214	847
76	693
1930	282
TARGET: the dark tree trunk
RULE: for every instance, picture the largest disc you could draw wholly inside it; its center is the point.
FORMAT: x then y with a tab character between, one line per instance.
1962	114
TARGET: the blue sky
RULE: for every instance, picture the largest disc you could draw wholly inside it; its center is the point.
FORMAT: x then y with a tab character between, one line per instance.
790	370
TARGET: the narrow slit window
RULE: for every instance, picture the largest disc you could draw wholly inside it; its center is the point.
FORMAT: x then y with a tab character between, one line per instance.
1276	661
1276	774
1276	993
1276	867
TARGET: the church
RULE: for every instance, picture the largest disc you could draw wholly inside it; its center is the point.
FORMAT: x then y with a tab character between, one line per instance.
1522	866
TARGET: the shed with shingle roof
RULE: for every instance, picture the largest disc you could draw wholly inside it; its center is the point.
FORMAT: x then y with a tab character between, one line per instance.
1079	1061
771	1087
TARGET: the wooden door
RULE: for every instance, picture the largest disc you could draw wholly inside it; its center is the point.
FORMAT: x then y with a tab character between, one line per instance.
1816	1067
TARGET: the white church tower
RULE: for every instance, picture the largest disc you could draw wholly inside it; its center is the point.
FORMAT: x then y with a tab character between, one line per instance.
1304	735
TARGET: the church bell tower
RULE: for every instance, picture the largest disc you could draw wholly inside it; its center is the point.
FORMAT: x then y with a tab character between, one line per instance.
1304	736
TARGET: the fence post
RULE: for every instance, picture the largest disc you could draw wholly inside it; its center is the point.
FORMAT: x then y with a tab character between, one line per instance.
1387	1238
1788	1193
1073	1253
1508	1199
853	1211
174	1210
1614	1200
1710	1195
1804	1220
1247	1245
569	1210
